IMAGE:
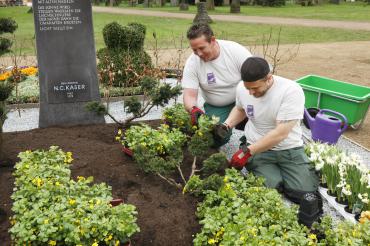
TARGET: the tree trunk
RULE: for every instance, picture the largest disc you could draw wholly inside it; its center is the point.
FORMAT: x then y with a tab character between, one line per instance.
226	3
210	4
235	6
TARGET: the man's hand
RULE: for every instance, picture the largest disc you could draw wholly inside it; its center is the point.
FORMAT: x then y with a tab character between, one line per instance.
195	114
240	158
221	131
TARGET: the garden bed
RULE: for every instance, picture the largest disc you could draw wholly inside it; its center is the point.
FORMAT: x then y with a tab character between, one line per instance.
165	215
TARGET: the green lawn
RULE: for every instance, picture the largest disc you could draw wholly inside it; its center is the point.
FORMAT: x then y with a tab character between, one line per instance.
355	11
169	31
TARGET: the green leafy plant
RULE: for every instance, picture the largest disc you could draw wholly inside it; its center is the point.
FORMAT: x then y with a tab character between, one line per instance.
177	117
157	151
51	209
243	212
7	25
214	163
200	187
343	233
202	139
160	151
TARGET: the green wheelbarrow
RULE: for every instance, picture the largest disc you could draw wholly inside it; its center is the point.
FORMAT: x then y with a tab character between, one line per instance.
346	98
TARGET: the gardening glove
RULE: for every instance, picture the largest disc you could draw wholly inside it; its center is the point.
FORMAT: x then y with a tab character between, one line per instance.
195	114
240	158
221	131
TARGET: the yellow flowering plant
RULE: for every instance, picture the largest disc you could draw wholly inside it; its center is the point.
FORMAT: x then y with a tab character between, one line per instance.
50	208
244	212
177	117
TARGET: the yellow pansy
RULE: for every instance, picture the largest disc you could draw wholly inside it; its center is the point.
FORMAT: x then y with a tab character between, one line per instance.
312	236
68	158
52	242
80	178
211	241
72	201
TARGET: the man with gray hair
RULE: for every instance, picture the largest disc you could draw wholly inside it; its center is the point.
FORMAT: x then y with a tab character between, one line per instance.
214	68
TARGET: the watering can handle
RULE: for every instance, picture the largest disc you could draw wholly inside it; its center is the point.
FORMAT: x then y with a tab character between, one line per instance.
339	114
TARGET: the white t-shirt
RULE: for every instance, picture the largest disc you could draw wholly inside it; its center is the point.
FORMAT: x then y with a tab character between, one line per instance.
218	78
283	101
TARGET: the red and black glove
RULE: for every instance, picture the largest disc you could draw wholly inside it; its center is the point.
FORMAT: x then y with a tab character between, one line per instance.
195	114
240	158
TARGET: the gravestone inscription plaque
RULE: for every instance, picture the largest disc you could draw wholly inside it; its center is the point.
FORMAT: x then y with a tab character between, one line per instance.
67	62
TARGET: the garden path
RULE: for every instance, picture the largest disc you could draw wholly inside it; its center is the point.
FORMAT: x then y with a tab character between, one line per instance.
242	18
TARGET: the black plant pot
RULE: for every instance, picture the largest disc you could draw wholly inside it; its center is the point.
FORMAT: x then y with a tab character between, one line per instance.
313	112
345	202
331	194
324	185
346	208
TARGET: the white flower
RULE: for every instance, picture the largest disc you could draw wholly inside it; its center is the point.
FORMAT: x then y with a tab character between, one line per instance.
346	190
364	198
319	165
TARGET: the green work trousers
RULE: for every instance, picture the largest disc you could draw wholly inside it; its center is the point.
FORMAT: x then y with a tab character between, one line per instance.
289	170
221	112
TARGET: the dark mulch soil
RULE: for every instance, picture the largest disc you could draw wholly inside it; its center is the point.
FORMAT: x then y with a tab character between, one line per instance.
165	216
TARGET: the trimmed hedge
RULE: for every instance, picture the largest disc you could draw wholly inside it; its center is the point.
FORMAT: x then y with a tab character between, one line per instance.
124	55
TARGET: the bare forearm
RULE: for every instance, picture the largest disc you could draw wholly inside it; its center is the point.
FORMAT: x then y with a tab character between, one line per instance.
235	117
274	137
190	98
269	141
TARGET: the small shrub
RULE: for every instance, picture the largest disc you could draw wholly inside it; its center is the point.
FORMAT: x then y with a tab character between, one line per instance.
5	90
5	45
214	163
7	25
124	65
130	37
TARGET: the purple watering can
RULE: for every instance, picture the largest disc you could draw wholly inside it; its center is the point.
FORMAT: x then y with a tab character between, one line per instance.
326	128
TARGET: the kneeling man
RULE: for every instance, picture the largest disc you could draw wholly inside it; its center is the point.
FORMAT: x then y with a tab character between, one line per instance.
274	106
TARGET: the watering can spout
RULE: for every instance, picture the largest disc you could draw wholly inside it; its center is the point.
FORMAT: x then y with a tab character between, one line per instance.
310	120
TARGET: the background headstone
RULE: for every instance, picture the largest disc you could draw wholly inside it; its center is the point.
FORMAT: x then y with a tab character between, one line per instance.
202	14
67	62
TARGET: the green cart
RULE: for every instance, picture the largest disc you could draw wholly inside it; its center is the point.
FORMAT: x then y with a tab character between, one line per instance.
349	99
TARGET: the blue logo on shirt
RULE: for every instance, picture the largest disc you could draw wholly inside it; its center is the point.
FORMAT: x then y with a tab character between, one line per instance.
211	79
250	111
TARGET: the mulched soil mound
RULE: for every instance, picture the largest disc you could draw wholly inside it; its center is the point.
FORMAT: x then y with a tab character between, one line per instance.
165	215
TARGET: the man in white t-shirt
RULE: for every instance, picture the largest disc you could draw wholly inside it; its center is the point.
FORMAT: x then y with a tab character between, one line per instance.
214	68
274	106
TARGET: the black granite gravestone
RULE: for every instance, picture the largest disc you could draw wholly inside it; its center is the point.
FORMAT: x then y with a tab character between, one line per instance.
67	62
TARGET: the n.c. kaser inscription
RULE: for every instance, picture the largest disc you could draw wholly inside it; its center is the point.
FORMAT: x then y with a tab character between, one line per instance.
67	61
